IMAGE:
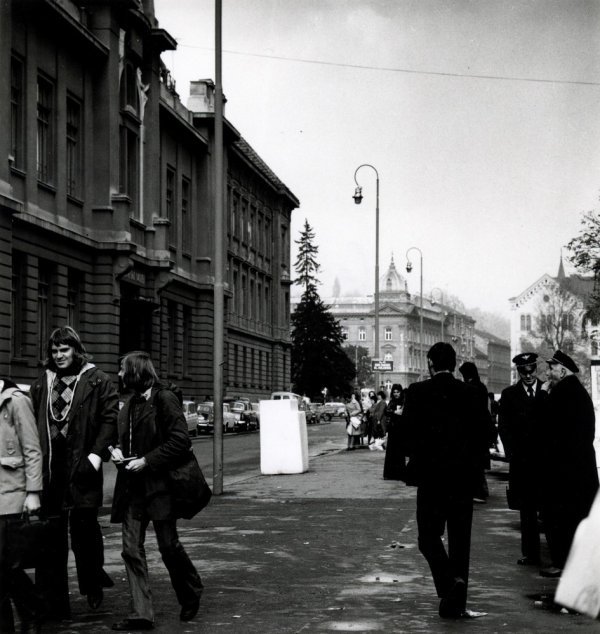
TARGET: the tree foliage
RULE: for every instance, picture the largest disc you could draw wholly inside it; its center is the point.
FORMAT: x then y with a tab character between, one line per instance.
362	362
585	255
318	359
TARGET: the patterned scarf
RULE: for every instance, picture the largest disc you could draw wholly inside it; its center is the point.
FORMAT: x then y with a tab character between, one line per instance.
63	391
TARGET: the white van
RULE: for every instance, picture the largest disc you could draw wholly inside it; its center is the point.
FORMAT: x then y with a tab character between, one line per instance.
279	396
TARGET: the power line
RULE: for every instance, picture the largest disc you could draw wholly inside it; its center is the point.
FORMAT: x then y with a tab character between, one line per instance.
402	70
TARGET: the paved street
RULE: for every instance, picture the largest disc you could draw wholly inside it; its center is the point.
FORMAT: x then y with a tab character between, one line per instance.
331	550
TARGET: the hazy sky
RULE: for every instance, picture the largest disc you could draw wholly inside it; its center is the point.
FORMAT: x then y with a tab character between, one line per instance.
486	173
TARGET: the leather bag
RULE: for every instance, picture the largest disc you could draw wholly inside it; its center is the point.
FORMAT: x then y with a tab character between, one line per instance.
189	490
28	539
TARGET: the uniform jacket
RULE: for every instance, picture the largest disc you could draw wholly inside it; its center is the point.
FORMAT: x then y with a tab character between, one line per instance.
568	457
92	427
20	453
444	423
521	430
160	435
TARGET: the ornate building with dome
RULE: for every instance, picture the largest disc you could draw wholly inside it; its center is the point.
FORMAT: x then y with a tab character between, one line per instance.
400	332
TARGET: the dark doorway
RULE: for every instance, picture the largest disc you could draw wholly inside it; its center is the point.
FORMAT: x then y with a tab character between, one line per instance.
135	331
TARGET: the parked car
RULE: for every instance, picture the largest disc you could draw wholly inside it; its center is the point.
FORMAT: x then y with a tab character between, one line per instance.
248	420
206	418
333	409
256	409
282	396
314	413
190	410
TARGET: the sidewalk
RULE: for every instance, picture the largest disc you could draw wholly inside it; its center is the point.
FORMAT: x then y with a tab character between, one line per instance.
330	550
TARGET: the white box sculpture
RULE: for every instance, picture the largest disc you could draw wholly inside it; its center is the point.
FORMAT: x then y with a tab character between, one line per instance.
283	438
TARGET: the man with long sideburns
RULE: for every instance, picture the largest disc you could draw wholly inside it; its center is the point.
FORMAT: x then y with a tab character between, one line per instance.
444	420
76	407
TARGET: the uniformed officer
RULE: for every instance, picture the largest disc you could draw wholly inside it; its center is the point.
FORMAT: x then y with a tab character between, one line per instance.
519	426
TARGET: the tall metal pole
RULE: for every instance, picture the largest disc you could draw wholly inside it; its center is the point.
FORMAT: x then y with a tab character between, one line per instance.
219	301
409	269
357	199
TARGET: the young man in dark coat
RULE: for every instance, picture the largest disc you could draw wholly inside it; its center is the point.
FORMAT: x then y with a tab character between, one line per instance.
445	424
76	407
568	459
520	430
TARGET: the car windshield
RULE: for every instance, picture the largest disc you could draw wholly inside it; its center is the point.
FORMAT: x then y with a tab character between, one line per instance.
238	406
205	409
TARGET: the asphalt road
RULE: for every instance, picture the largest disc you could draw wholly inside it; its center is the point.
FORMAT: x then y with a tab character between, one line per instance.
241	452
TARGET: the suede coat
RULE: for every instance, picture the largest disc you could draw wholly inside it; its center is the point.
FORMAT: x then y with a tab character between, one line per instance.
20	453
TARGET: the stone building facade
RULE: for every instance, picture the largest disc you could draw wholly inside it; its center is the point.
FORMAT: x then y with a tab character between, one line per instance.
107	205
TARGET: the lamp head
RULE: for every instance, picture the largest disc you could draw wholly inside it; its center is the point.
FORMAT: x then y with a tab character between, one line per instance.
408	266
358	195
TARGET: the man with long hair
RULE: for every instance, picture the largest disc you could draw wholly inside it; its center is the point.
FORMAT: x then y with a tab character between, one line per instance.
152	438
76	407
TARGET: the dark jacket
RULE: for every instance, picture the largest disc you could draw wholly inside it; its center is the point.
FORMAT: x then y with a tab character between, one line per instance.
568	458
92	427
160	435
445	433
521	430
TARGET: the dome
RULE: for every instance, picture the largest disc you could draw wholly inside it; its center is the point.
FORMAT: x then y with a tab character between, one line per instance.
392	281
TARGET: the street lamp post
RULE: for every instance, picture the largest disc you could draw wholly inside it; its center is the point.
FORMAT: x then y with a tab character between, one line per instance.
408	270
357	199
443	316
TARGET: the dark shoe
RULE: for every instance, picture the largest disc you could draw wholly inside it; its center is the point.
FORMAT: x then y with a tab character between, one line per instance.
189	611
127	625
551	572
95	598
528	561
452	605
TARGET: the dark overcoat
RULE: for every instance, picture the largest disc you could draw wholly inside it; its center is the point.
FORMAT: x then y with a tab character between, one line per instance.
568	458
159	434
445	426
521	430
92	427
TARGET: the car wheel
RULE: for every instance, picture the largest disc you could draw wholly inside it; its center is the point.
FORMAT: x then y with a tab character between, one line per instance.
328	417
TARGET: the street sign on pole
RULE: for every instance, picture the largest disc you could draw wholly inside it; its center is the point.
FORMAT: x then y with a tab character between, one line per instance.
382	366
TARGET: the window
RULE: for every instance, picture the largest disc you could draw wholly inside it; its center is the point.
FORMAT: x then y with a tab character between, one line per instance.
362	333
186	216
19	278
172	338
344	333
129	150
74	283
74	166
387	333
44	305
45	130
187	328
170	207
16	112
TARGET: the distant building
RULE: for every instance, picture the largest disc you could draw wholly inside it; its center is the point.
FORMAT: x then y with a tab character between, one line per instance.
551	313
496	373
107	205
399	327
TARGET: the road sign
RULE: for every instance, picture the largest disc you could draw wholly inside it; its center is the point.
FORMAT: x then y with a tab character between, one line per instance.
382	366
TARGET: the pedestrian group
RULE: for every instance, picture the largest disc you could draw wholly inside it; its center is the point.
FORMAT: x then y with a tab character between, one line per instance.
437	434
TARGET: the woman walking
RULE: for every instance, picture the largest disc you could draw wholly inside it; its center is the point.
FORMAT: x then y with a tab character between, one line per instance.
152	438
354	431
394	465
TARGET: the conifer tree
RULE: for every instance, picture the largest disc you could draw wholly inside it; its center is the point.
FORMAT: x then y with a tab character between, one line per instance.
318	359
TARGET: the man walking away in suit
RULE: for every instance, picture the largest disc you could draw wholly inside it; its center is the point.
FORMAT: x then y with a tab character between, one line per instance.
520	430
446	439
